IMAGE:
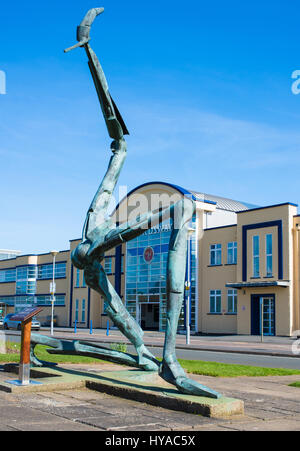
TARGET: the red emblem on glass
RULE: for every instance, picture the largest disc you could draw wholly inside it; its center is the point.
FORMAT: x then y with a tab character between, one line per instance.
148	254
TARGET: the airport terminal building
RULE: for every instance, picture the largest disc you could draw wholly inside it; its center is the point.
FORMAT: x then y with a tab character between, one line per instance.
242	260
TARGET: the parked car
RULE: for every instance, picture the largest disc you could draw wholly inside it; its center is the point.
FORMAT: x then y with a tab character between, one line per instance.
9	324
1	322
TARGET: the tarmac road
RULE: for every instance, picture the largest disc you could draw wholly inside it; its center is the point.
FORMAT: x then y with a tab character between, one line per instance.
240	359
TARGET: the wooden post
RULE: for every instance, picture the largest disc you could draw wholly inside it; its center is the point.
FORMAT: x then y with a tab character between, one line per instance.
24	367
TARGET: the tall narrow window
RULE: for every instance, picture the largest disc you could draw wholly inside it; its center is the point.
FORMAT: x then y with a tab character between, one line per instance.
256	256
77	278
232	253
269	255
108	265
216	254
215	301
76	310
83	311
232	301
83	281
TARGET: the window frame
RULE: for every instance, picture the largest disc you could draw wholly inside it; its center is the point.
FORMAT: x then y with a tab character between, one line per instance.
232	246
269	255
215	252
256	256
232	296
83	311
77	283
108	265
213	296
77	310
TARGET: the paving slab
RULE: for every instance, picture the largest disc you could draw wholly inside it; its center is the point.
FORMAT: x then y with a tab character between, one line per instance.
291	424
54	426
146	387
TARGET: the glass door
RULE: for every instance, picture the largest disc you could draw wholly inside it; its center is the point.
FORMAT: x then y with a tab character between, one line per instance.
269	316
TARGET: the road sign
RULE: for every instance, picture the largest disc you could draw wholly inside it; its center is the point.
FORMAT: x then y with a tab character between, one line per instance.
52	288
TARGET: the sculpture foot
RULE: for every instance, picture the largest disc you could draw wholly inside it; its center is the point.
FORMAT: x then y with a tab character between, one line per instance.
191	387
146	360
35	362
172	372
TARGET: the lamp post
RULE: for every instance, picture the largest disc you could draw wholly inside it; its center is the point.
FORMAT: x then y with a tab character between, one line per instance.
188	289
52	291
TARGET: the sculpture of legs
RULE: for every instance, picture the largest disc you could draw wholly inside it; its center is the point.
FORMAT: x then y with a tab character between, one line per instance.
66	347
96	278
170	369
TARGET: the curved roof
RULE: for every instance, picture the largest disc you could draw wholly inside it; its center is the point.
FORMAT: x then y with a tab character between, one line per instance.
221	203
225	204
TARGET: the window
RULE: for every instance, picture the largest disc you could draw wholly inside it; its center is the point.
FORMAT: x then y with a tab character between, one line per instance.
26	287
46	271
232	301
46	300
215	300
108	265
256	256
216	254
77	278
269	255
26	279
26	272
8	275
232	253
83	281
9	300
83	311
76	310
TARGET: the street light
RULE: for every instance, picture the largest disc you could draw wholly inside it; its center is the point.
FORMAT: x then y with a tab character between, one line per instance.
52	290
188	290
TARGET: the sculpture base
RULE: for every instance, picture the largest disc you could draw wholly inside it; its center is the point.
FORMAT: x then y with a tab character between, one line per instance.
23	384
132	384
149	388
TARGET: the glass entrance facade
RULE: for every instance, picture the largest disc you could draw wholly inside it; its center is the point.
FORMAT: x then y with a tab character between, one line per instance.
146	266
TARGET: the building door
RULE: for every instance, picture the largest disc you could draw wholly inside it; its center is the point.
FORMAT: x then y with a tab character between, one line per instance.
268	313
149	316
269	316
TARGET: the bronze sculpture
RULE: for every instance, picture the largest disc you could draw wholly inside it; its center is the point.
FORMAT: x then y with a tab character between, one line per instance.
100	235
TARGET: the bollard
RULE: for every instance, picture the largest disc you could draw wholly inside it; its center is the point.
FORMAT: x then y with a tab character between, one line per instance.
75	328
107	330
91	328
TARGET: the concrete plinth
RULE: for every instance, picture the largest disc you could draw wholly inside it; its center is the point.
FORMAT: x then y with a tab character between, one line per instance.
131	384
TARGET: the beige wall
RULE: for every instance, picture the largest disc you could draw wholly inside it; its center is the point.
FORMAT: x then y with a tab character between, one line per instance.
296	285
283	296
215	278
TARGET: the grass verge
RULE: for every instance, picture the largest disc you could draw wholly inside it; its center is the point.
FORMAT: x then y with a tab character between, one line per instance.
13	356
217	369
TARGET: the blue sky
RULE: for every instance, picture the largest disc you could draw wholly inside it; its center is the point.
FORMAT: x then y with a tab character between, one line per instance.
204	88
